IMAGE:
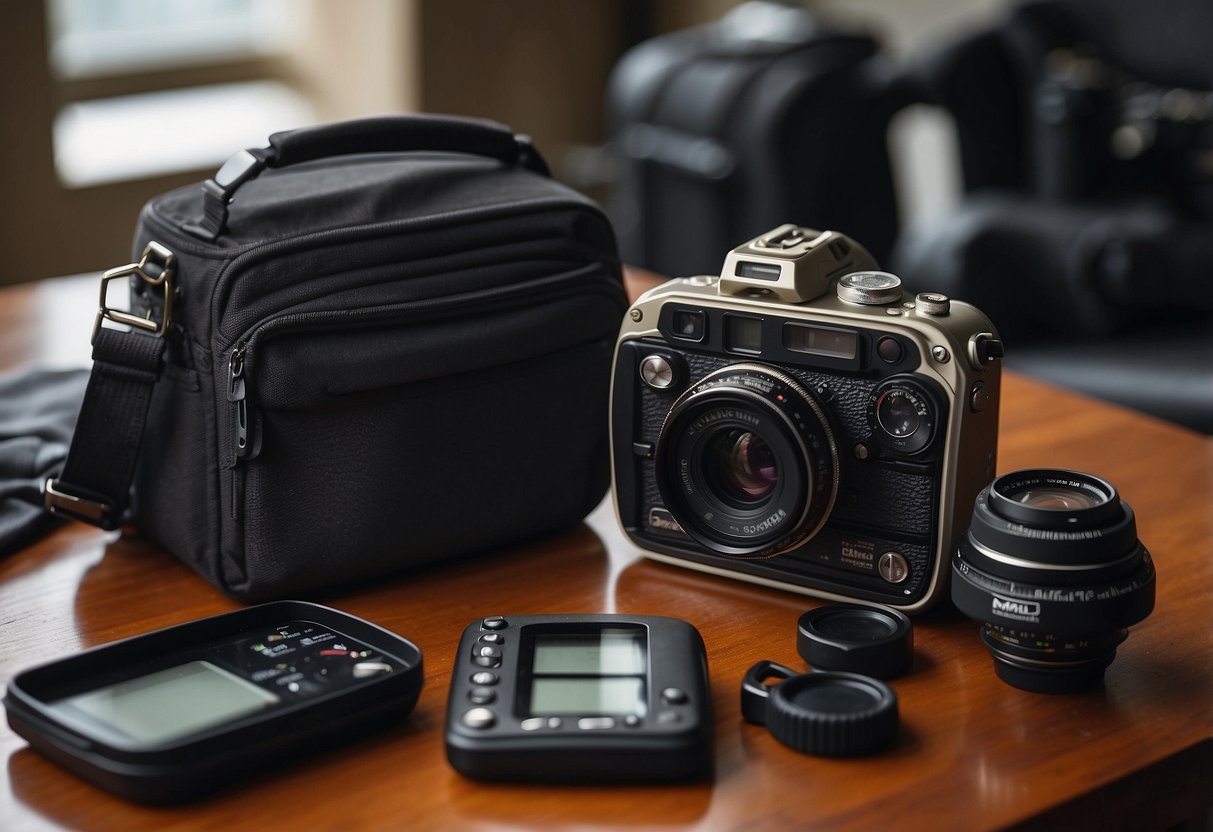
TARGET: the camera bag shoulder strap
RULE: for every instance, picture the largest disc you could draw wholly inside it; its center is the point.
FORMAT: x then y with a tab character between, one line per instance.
95	483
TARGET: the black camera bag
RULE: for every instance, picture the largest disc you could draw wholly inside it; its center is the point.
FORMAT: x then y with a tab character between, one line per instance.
368	346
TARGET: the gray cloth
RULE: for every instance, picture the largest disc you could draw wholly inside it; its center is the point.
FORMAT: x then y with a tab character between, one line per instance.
38	410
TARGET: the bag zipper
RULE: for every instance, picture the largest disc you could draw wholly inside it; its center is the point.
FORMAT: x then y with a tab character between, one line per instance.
236	393
240	359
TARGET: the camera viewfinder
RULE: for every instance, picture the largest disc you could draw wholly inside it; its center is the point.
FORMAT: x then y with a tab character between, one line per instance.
743	334
688	325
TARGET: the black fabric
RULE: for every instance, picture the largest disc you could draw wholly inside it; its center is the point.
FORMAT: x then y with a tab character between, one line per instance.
109	430
384	360
37	413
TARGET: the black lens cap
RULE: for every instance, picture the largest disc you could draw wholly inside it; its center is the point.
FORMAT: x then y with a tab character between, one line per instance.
872	641
824	713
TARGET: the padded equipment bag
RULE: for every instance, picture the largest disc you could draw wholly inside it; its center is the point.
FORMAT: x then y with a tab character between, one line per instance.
368	346
764	117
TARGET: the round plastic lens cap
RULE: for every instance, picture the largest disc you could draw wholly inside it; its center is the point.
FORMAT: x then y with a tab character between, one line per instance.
872	641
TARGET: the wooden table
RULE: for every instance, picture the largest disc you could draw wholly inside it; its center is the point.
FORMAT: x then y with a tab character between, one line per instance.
973	753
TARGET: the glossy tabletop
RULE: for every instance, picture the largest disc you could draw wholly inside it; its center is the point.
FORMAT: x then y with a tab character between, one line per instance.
972	753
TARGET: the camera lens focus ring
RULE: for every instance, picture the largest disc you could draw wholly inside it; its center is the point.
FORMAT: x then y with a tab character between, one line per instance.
1087	608
1048	542
746	462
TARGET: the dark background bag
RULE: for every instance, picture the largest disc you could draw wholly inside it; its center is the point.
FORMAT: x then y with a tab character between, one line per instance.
389	343
726	130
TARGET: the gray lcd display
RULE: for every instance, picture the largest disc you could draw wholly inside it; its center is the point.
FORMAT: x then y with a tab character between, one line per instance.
614	695
597	673
815	340
171	703
601	654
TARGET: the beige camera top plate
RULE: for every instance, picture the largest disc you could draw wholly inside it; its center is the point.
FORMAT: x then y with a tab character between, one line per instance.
792	264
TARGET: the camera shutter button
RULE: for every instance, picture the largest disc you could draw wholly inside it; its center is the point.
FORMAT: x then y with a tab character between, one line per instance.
932	303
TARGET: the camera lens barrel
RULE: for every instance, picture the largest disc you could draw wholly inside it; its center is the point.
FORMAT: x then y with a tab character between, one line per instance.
746	462
1052	565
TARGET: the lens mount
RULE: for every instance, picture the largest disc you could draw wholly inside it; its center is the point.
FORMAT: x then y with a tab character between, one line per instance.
1050	665
746	462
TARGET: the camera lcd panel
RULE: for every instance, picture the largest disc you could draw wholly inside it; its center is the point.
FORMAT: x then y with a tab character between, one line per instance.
170	704
589	673
609	695
818	340
608	652
742	334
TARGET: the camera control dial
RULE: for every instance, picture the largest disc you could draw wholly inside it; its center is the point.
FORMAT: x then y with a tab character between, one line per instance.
869	288
901	414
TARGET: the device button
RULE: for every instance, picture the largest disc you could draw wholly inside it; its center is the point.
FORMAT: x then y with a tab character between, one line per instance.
492	638
533	724
596	723
674	696
486	655
979	397
893	567
669	717
484	677
890	350
364	669
644	450
494	622
479	718
632	721
482	696
657	372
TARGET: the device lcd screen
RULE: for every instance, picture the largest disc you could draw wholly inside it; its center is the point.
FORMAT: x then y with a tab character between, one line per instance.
815	340
170	704
589	674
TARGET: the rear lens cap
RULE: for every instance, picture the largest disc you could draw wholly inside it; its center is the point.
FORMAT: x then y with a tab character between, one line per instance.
872	641
827	714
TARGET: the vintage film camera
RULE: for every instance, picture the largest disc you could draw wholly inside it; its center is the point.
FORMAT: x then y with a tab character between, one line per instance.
802	423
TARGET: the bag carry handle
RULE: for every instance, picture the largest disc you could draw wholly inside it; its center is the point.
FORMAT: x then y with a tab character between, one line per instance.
385	134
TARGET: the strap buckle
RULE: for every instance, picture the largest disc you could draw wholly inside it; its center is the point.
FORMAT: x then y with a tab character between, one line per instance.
57	501
155	268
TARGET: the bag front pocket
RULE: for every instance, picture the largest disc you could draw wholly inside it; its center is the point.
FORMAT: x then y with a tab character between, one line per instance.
404	440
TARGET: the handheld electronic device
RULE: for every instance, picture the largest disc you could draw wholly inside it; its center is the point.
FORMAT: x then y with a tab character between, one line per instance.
173	714
580	698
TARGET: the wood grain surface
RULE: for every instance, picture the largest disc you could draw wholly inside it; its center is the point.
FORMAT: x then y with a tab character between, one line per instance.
973	752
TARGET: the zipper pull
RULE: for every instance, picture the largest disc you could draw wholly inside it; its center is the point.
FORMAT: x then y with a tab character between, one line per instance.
236	393
235	374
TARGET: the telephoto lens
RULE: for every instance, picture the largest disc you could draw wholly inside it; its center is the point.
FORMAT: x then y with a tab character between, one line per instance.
1052	567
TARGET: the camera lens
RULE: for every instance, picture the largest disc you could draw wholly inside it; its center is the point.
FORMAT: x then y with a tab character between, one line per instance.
741	467
1052	566
746	462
